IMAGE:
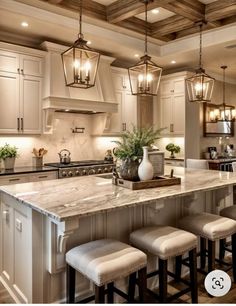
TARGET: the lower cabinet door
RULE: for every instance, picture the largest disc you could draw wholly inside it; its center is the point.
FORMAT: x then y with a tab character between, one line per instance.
6	256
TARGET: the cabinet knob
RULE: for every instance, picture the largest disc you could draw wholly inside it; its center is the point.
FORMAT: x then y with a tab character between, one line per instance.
22	71
18	70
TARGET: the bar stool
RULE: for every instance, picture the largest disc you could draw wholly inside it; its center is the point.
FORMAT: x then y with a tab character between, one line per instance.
102	262
228	212
210	228
166	242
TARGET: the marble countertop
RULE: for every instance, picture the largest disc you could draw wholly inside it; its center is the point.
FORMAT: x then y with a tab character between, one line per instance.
67	198
23	170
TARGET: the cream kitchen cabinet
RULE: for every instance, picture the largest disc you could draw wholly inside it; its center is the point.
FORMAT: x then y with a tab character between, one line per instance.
127	104
21	90
172	104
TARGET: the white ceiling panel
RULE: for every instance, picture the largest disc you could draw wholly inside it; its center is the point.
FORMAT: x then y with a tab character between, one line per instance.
105	2
163	14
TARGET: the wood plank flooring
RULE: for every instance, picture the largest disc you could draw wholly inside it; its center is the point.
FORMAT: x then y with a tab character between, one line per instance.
230	298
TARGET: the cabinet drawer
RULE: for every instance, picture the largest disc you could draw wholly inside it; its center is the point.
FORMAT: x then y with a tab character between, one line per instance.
13	179
44	176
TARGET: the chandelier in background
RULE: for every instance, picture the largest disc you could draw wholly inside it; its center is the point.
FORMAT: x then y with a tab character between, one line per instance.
145	76
80	62
200	85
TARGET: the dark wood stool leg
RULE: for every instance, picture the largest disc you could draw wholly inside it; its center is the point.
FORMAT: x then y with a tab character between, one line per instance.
178	267
202	253
193	275
99	294
70	284
163	280
131	290
110	293
233	241
142	285
211	255
222	249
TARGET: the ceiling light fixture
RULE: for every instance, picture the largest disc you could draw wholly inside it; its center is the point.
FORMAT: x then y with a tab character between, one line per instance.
155	11
136	55
173	62
145	76
200	85
80	62
24	24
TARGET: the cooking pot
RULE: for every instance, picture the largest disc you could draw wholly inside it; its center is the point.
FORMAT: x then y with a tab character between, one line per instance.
64	156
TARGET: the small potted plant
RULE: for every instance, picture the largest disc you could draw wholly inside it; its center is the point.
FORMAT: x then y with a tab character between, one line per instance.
129	150
171	147
8	154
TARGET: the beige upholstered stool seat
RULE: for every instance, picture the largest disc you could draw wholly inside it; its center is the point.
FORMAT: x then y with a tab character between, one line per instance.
106	260
229	212
209	226
163	241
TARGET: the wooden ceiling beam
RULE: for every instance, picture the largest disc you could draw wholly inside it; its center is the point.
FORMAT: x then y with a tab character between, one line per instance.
220	9
90	8
170	25
190	9
139	26
124	9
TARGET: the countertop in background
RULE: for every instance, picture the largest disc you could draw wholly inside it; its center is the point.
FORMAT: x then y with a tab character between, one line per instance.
23	170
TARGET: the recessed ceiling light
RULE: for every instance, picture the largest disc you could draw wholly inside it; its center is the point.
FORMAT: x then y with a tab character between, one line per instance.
67	110
173	62
136	55
155	11
24	24
89	42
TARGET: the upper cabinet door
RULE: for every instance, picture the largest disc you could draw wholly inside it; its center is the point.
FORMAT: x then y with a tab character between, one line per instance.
9	62
9	103
31	65
179	86
30	96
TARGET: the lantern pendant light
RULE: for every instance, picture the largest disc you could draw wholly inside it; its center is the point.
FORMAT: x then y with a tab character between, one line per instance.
80	62
145	76
200	85
226	112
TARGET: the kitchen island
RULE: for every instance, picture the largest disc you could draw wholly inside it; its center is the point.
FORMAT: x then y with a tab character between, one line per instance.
42	220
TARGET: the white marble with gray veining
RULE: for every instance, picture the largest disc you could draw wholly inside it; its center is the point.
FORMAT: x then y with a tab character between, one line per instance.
66	198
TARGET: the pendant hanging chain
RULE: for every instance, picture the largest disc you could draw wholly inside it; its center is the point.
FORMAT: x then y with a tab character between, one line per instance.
200	51
224	85
146	23
80	18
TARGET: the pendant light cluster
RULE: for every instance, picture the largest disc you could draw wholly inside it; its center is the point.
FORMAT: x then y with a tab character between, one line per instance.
223	112
145	76
200	85
80	62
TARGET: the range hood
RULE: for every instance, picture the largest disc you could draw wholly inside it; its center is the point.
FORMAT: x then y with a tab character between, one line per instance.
60	98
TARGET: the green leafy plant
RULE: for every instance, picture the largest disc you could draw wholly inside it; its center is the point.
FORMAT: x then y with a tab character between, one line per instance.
8	151
171	147
132	142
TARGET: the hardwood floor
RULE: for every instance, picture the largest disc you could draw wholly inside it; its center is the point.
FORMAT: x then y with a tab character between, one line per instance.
204	298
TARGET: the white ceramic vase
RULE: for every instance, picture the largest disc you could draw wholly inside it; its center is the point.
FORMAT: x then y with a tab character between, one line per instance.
145	169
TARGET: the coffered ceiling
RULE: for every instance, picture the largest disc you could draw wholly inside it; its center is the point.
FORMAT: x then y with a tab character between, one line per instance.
121	35
167	19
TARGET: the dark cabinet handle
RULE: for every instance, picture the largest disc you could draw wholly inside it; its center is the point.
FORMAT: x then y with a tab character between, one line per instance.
42	176
14	179
18	124
22	124
171	127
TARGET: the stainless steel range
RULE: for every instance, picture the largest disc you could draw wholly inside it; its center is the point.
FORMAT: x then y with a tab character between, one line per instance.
85	167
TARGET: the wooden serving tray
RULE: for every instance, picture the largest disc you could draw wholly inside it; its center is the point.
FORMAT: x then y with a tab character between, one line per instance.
158	181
